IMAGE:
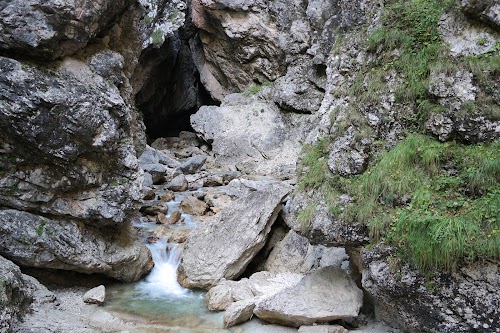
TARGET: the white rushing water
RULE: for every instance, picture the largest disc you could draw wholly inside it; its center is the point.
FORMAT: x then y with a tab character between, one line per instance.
162	281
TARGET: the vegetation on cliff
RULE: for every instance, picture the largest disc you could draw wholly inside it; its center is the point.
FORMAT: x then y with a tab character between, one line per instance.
436	203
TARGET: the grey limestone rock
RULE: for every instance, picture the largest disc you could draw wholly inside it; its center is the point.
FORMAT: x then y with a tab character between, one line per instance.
465	301
325	295
17	294
253	135
193	164
223	246
178	184
35	241
95	295
487	11
238	312
53	29
295	254
322	329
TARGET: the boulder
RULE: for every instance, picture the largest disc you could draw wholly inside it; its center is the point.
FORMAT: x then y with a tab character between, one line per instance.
295	254
61	244
193	164
238	312
464	301
253	135
325	295
258	286
95	295
178	184
193	206
225	245
175	217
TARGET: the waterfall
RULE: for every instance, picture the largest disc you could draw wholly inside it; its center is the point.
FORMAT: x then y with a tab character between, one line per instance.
162	280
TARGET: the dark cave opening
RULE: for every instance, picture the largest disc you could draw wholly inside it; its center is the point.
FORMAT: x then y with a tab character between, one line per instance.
173	90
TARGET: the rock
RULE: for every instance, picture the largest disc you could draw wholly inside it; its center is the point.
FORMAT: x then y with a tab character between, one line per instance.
149	194
178	184
53	29
17	293
193	164
325	295
487	11
155	156
462	35
464	301
154	208
322	329
193	206
66	125
156	171
61	244
250	134
161	218
148	180
95	295
169	196
223	246
323	228
295	254
260	285
175	217
161	232
179	236
238	312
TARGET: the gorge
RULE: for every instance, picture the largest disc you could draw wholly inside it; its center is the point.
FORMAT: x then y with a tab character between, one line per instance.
310	166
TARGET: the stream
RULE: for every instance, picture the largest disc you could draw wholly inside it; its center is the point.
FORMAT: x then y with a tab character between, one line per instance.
161	300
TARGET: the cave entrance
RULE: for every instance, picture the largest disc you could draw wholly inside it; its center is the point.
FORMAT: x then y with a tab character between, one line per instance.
173	91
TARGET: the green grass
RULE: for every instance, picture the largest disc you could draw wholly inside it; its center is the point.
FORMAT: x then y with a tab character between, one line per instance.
436	217
257	88
157	37
305	217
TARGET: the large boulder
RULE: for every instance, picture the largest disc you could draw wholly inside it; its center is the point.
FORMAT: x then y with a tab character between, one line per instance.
251	134
52	29
465	301
225	245
295	254
17	293
42	242
325	295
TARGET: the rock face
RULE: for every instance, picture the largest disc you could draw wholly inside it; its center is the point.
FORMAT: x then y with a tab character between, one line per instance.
485	10
465	301
41	242
325	295
250	134
223	246
17	292
52	29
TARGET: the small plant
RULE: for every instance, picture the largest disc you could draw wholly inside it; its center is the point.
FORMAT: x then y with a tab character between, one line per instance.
257	88
157	37
40	228
481	41
148	20
305	217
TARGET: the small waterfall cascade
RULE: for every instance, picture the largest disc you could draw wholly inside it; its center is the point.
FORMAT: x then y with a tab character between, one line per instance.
162	281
